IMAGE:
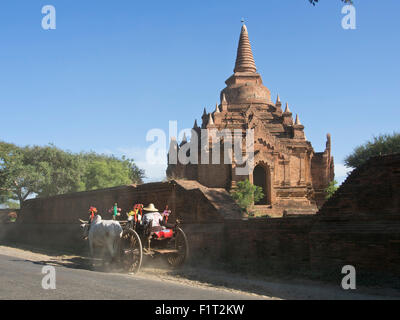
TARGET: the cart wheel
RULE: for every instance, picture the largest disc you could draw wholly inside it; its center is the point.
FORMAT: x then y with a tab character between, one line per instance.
131	251
182	246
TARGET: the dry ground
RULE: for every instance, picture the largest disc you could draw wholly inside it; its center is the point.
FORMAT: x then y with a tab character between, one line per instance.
254	286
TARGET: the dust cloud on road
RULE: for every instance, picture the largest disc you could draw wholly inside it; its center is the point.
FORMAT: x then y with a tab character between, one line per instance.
154	281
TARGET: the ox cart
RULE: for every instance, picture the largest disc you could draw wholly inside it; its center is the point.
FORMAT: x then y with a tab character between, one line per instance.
138	240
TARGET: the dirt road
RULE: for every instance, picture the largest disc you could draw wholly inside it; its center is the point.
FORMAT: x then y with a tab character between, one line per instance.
20	278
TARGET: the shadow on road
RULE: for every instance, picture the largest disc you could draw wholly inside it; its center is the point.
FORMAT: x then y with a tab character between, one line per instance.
209	276
74	262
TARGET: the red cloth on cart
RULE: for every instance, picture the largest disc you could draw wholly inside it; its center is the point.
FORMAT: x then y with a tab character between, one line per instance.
166	233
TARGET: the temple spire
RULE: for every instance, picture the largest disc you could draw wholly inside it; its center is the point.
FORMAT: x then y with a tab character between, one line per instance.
278	102
173	144
184	140
244	58
210	120
287	110
223	98
297	122
217	108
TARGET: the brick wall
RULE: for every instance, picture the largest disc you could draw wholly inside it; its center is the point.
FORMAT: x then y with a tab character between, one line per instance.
359	226
53	222
372	189
268	246
369	243
188	201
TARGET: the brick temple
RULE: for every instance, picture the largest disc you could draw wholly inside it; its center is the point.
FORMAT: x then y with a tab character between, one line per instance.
292	175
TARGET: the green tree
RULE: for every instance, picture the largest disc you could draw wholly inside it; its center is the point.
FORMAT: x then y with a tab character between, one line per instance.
11	204
47	171
18	178
331	189
102	171
246	194
380	145
60	171
135	173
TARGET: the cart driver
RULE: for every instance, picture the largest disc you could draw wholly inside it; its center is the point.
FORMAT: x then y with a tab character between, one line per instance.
151	214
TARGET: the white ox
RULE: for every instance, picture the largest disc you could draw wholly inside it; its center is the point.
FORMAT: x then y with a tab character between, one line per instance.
104	234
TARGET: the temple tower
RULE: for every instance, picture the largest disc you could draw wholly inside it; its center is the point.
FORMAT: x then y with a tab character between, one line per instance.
293	177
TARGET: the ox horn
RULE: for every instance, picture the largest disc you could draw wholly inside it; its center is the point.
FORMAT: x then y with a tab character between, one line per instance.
81	221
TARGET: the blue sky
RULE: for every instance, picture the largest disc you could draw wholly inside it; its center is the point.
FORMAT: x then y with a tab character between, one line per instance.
112	70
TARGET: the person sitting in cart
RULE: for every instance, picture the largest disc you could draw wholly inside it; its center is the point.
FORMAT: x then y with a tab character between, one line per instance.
154	217
151	214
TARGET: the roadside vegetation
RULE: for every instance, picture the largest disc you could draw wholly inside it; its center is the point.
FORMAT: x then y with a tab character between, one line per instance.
246	194
331	189
378	146
44	171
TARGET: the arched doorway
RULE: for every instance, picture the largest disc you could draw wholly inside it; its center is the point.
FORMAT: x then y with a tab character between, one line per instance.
261	179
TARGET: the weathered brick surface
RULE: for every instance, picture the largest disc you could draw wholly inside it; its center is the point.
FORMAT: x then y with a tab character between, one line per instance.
345	231
269	246
60	236
189	201
291	174
374	189
54	222
370	243
360	224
